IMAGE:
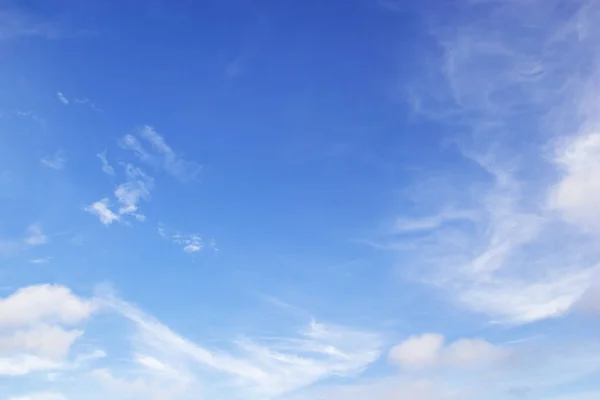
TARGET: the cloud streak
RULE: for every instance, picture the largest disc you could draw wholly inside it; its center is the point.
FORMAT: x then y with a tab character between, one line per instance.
56	161
518	83
159	154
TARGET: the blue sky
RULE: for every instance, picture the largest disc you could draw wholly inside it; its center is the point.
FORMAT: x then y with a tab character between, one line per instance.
298	200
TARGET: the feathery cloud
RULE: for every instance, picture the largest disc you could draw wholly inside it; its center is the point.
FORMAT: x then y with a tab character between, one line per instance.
106	167
62	98
160	154
56	161
531	252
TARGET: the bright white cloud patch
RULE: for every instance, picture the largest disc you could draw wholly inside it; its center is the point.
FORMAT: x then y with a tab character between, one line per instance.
33	328
577	194
43	303
418	351
102	211
429	350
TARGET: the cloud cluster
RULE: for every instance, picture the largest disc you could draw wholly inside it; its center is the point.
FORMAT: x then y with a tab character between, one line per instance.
128	195
34	328
39	326
156	152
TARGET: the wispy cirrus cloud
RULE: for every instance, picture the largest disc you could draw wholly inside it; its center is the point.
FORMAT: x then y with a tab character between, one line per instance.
255	369
56	161
518	83
15	24
159	153
106	167
62	98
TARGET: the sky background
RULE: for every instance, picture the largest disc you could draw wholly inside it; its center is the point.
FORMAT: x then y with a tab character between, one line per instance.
300	200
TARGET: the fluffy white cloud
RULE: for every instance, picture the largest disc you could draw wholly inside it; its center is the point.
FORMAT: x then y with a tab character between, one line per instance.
577	194
428	350
418	351
32	332
25	364
43	303
49	341
101	210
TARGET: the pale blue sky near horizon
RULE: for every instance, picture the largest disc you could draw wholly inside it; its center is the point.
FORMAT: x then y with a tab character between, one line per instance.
360	200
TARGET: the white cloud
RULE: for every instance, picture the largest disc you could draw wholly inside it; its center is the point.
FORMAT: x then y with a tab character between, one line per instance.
428	350
408	225
106	167
577	194
25	364
40	396
128	194
35	236
260	370
43	303
161	154
192	243
418	351
56	161
101	210
49	341
136	188
62	98
34	336
518	86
